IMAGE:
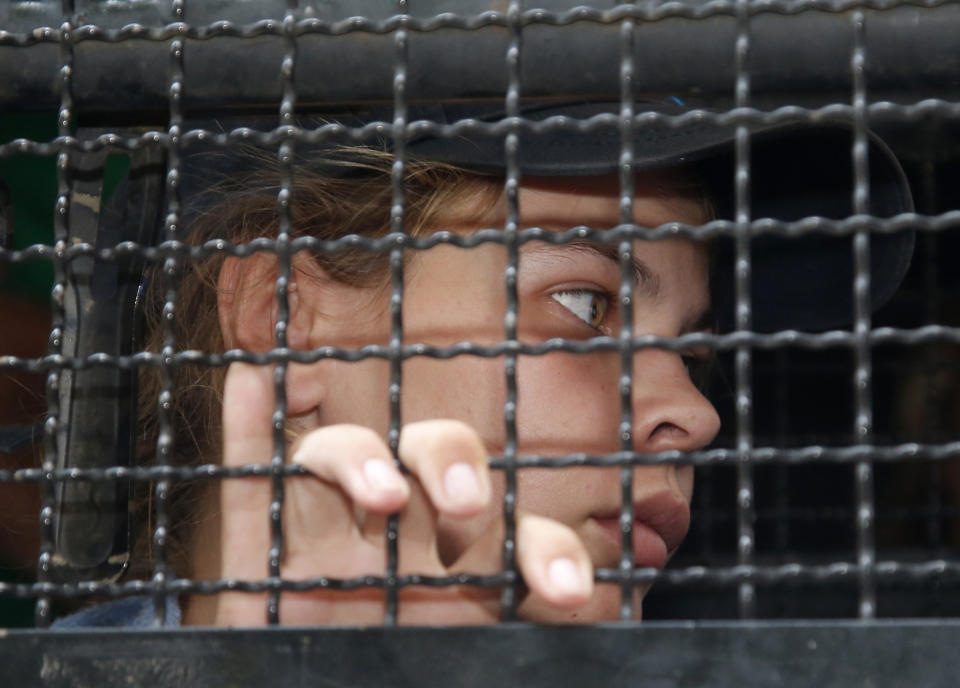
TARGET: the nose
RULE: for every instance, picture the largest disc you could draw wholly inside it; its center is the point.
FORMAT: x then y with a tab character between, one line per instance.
669	412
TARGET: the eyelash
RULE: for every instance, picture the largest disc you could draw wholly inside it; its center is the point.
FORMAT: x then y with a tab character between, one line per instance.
597	312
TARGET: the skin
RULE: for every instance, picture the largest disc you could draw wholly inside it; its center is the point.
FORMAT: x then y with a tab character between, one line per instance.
450	504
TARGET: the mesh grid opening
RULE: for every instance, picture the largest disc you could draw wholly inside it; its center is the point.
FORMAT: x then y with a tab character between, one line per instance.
830	491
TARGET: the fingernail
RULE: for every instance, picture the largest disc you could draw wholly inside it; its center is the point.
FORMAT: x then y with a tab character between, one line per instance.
461	483
565	576
381	476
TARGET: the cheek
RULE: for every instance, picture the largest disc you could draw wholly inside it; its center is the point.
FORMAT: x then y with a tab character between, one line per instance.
685	481
465	388
568	403
332	392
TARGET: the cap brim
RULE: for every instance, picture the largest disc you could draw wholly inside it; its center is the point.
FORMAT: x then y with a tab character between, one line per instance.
797	171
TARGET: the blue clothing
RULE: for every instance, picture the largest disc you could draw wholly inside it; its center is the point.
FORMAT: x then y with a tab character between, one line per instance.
128	612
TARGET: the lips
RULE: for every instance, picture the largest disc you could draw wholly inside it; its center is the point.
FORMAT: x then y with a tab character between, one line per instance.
649	548
660	523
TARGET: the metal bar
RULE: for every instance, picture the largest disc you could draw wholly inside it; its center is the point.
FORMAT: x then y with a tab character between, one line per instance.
851	653
780	575
511	191
863	370
705	457
797	48
54	430
883	112
718	228
397	226
782	479
828	340
746	594
288	103
625	255
171	274
935	402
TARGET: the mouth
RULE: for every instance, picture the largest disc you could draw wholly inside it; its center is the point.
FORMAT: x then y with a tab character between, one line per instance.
649	549
659	525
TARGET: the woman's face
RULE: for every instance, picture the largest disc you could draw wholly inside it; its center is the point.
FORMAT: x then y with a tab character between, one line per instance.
566	402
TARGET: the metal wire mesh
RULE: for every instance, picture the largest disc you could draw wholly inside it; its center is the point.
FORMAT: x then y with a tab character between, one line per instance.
748	485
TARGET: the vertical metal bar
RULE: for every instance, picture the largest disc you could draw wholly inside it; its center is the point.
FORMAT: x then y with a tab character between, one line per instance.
284	200
863	423
397	222
171	272
744	355
625	254
52	430
932	298
508	599
934	402
781	514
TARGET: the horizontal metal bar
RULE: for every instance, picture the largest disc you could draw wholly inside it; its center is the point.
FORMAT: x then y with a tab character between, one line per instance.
833	339
911	451
879	113
715	228
884	653
234	50
698	577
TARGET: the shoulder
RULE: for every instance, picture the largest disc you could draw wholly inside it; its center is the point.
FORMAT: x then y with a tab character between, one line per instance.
129	612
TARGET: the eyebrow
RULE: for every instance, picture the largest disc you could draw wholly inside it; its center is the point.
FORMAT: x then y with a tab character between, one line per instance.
645	280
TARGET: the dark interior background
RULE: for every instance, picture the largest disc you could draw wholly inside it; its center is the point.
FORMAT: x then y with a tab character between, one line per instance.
805	513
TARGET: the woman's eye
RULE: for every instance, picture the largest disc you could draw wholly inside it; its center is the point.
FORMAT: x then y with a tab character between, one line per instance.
588	305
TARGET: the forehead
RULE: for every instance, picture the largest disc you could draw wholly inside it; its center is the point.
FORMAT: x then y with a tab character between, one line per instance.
659	197
557	203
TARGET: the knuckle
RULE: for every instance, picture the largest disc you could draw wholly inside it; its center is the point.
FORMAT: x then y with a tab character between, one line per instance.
439	440
337	442
546	533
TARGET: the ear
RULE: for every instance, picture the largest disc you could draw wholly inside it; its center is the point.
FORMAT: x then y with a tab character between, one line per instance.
322	311
247	311
247	304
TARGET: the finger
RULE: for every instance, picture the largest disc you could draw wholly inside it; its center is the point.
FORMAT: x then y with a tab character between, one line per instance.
451	463
554	562
247	439
247	414
356	459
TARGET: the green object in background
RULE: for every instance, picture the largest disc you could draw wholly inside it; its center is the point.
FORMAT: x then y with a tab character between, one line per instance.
31	182
31	186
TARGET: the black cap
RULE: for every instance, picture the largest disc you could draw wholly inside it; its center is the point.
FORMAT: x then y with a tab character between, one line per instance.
798	170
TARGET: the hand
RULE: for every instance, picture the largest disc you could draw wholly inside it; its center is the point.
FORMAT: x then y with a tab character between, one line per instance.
334	523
